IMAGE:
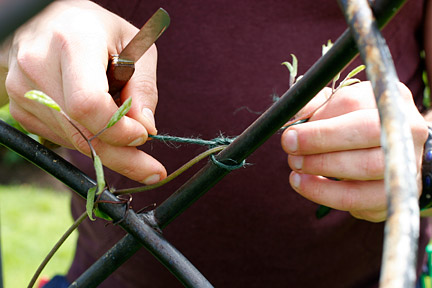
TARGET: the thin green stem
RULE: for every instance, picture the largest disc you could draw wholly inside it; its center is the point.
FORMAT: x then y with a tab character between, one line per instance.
55	248
172	175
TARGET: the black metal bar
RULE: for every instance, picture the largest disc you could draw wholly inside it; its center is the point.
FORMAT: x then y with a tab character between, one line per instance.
402	226
168	255
292	101
108	263
134	224
13	13
319	75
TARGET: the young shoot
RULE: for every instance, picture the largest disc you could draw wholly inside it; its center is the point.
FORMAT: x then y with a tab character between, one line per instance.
44	99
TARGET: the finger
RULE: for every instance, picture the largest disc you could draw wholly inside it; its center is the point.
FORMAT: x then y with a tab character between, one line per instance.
364	164
86	95
130	162
353	196
355	130
142	88
35	125
321	98
348	99
328	104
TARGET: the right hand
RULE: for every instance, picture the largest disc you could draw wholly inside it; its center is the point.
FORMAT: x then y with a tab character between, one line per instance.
64	52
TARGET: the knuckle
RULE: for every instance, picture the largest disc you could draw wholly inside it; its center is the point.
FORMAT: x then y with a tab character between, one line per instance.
148	88
26	60
354	97
21	117
81	144
315	192
13	89
348	199
374	165
80	104
128	171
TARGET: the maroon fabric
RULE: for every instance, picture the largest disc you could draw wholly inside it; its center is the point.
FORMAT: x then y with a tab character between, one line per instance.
251	230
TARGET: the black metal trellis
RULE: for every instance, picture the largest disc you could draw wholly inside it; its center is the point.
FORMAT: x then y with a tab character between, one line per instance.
143	230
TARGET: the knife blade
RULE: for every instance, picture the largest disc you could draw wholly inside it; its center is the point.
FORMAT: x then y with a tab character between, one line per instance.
121	67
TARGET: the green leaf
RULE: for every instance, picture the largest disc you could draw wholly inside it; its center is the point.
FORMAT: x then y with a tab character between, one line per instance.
100	178
42	98
336	78
90	202
322	211
295	66
355	71
289	66
123	110
292	69
100	214
326	47
349	82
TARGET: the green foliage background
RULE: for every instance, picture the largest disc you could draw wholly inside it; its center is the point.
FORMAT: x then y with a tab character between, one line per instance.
32	220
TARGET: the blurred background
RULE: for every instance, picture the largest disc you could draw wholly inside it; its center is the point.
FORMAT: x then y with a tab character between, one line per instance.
34	213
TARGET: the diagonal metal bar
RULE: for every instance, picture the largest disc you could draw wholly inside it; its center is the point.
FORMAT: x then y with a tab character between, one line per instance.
293	100
146	234
318	76
402	226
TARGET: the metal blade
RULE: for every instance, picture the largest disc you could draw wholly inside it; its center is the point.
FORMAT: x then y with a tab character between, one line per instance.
148	34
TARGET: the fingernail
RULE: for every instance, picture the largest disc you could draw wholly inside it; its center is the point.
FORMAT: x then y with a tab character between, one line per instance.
153	179
296	162
291	140
295	180
137	142
149	115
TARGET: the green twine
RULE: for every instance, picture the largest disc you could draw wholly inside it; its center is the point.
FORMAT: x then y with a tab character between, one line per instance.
226	166
219	141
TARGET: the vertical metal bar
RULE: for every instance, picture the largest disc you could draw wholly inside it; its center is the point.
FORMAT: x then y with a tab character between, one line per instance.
402	226
14	13
319	75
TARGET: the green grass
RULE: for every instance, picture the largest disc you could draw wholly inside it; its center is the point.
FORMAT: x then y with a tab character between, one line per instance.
32	220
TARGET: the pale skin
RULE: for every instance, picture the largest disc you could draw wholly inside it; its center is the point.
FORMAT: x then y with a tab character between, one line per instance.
73	40
64	52
342	140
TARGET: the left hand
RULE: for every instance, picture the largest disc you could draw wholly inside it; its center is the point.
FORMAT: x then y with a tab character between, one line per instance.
342	140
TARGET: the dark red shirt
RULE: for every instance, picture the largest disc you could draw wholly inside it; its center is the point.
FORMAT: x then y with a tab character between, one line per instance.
218	61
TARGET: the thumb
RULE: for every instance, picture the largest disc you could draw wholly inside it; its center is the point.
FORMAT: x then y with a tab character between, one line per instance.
143	90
